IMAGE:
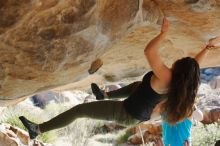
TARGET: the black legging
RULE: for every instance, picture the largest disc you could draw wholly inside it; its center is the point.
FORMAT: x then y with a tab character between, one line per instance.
102	110
124	91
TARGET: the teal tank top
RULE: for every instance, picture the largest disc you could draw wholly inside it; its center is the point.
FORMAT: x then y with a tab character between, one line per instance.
175	135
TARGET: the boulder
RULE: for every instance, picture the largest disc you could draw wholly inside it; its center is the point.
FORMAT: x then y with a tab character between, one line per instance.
13	136
44	98
46	44
151	132
211	116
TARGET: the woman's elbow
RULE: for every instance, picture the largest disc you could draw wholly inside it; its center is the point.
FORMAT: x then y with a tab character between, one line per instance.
147	51
198	115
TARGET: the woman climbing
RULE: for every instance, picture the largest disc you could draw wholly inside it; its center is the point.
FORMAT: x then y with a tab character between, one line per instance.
177	116
142	96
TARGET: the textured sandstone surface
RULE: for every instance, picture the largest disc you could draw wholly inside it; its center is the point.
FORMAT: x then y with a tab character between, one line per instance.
14	136
49	43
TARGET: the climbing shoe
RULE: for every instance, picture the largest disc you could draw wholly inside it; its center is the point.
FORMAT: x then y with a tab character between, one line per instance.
33	128
99	94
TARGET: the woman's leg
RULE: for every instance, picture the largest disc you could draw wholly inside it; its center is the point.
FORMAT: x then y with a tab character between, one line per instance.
119	93
103	110
124	91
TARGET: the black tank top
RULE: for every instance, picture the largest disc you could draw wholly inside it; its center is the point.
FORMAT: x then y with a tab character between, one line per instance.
142	101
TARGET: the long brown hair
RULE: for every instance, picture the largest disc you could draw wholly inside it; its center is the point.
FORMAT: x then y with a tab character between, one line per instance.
182	91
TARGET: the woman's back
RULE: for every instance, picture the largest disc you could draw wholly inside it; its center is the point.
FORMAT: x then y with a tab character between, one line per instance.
176	134
141	102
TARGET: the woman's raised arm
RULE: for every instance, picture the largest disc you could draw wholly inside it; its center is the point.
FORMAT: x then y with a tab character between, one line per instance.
211	45
161	71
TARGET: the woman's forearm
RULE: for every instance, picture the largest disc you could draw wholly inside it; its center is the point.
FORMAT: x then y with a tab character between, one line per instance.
154	44
210	46
201	55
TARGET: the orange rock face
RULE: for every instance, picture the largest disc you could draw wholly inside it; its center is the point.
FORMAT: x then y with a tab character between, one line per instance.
48	43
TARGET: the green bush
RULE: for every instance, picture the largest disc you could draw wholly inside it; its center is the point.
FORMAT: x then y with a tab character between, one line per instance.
123	138
205	135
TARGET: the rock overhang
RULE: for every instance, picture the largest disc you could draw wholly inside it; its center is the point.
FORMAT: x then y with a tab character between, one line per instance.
47	44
